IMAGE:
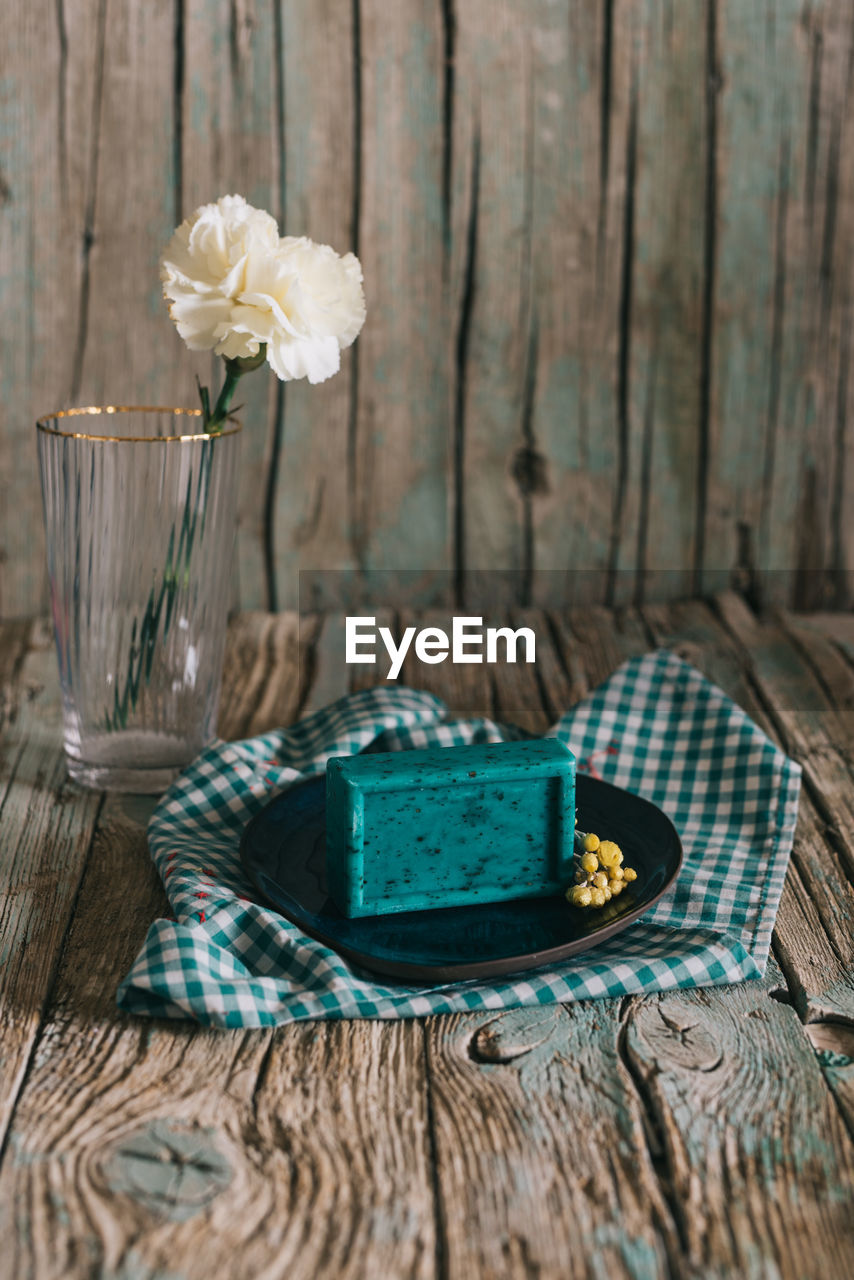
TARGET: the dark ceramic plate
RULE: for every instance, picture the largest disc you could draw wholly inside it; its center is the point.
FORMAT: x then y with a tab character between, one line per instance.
283	851
283	854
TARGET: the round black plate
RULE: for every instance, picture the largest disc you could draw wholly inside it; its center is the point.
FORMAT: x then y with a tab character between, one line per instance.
283	852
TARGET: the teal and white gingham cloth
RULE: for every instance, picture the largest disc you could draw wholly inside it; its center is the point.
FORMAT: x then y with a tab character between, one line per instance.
656	727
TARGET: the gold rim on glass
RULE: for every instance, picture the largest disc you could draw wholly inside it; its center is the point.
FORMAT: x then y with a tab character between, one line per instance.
95	410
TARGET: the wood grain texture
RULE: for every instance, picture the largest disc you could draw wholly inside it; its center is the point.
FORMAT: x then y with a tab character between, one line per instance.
835	628
531	216
328	675
813	937
538	1136
609	269
540	1141
662	54
492	135
267	672
743	1242
14	643
731	1080
317	496
226	138
825	655
48	826
697	1133
399	448
816	731
565	473
45	167
814	457
756	428
160	1149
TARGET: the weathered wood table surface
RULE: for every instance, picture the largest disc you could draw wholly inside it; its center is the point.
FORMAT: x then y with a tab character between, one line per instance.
703	1134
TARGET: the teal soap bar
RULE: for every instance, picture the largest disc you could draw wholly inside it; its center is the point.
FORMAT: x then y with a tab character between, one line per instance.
413	830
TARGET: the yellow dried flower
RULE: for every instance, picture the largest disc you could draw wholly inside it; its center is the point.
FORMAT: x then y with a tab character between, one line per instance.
591	843
590	862
629	873
600	880
597	897
579	895
610	854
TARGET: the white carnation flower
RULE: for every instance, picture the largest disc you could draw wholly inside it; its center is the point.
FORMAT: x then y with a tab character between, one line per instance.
203	268
234	284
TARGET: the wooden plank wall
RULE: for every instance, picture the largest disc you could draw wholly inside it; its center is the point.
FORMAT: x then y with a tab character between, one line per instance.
609	259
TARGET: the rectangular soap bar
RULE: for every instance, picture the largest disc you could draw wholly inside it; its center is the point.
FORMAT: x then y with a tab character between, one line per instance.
408	830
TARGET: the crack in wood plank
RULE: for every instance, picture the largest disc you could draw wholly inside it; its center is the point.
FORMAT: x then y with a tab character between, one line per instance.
178	85
91	205
710	226
461	353
624	345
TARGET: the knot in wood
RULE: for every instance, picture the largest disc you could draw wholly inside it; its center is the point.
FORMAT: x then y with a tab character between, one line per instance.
511	1035
679	1036
530	471
172	1168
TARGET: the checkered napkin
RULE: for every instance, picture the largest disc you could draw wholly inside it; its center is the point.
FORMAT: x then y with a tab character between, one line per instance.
656	727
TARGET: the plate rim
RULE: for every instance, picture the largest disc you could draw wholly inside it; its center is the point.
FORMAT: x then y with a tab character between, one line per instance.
471	972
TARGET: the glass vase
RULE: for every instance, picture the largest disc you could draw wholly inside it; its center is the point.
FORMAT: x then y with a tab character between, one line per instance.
140	512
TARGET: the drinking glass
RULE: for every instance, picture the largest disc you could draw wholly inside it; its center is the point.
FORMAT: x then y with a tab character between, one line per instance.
140	511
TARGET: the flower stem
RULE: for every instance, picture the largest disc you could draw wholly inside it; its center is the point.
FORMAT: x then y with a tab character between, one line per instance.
234	371
217	419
